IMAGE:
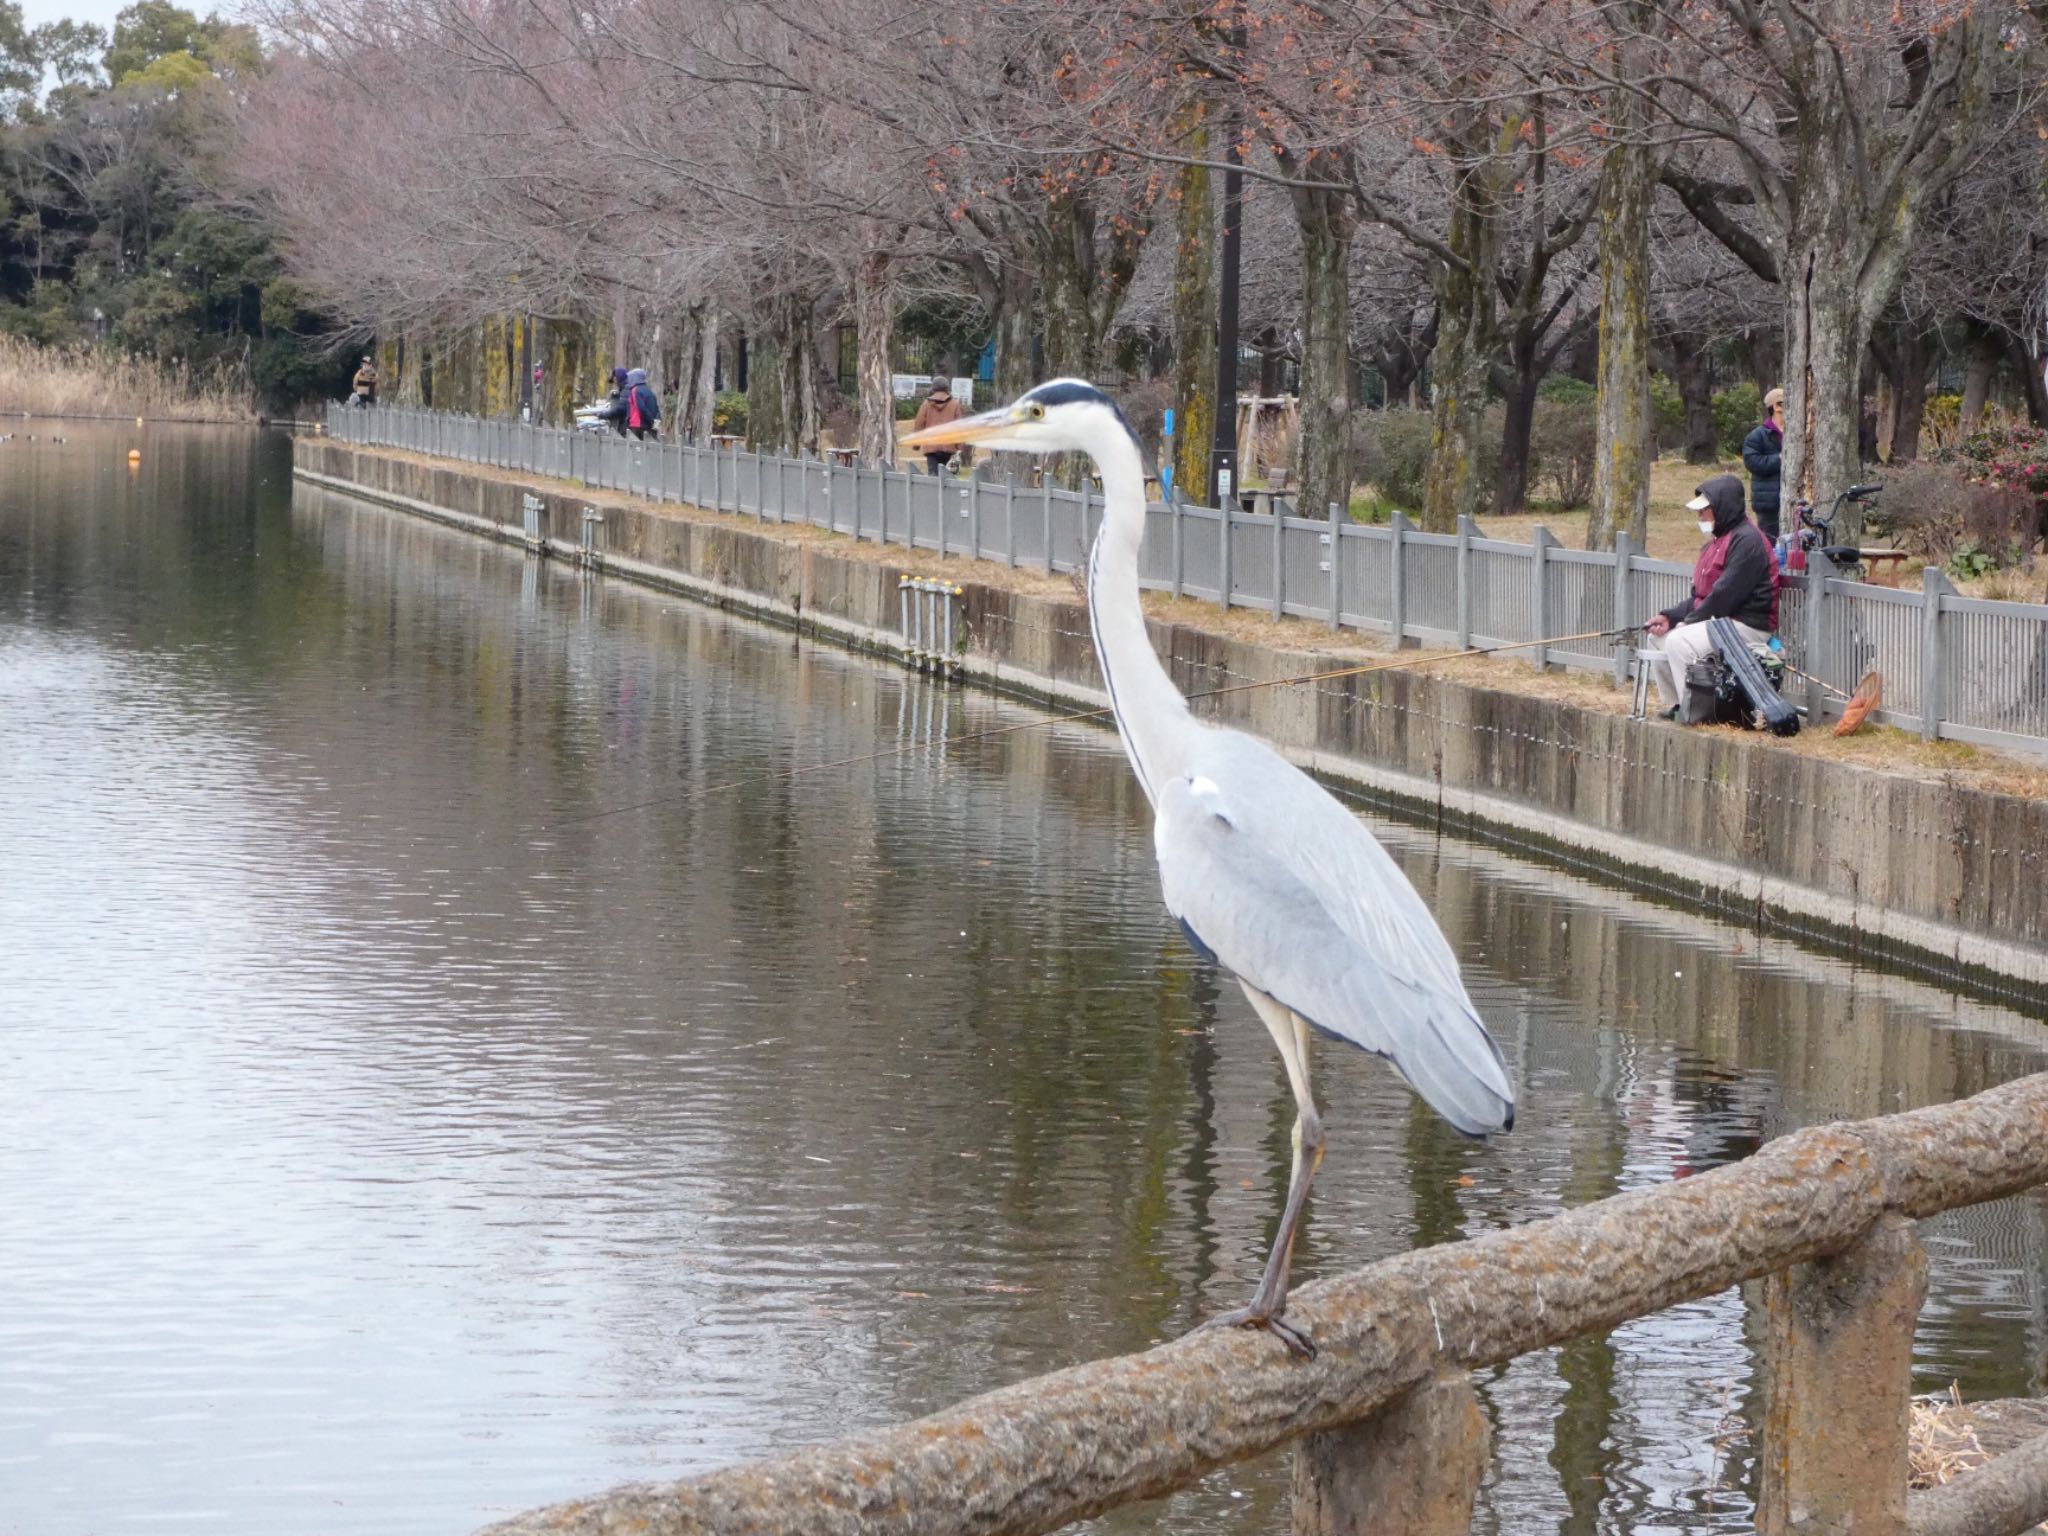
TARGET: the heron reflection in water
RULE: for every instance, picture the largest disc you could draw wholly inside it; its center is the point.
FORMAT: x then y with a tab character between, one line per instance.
1266	872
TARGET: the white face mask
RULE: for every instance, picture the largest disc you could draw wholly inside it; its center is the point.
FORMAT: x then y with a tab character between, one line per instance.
1706	527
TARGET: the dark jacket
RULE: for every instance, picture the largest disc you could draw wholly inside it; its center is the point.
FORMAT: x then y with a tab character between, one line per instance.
1736	576
615	403
1762	451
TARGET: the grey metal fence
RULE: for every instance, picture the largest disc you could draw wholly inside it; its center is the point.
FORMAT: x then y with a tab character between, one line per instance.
1958	667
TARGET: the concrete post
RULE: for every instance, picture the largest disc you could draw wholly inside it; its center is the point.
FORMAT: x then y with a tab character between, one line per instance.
1397	579
1337	522
1837	1390
1045	490
1412	1469
1223	582
1279	561
1624	599
1179	548
1819	568
1934	586
1468	530
1540	547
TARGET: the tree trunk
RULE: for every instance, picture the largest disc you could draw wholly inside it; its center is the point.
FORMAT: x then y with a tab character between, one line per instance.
1071	342
2033	384
1511	475
1458	367
1909	393
1766	361
799	387
874	308
1696	392
1825	334
1622	448
703	420
1984	360
1015	370
1325	431
765	406
1194	320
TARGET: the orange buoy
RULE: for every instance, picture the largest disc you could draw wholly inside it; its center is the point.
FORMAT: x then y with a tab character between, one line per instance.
134	455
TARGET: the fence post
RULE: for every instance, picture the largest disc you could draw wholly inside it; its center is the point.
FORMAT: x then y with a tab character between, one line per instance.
1179	548
1624	553
1337	522
1279	562
940	480
1836	1379
973	495
1010	523
1412	1469
1223	585
1934	586
1045	487
1467	530
1397	578
1540	546
1818	569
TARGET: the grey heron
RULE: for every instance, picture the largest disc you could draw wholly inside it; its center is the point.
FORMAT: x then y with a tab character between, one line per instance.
1265	871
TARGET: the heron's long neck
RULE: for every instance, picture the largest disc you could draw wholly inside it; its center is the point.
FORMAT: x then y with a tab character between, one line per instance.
1151	715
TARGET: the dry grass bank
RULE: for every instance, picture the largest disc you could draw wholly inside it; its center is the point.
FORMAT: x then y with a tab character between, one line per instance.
94	381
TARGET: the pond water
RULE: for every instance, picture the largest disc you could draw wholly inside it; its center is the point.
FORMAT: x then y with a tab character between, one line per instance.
446	1064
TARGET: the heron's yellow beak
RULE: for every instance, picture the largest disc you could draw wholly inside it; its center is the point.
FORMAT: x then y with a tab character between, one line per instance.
990	427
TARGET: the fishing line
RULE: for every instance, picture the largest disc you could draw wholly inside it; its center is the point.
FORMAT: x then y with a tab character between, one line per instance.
786	774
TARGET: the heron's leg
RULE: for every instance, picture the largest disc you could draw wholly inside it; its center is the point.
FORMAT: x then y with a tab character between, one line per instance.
1269	1301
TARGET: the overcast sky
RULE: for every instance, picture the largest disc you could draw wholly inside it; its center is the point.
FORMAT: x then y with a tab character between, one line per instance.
36	12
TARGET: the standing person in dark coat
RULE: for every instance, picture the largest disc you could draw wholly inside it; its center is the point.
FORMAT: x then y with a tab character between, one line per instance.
1763	450
1736	578
939	408
615	403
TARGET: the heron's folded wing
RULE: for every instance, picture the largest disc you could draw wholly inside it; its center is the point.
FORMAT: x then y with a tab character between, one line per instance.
1261	882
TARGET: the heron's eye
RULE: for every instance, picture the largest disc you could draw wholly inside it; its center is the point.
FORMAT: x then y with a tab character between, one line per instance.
1035	412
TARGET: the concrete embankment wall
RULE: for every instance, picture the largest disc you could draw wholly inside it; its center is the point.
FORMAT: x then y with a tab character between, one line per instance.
1936	876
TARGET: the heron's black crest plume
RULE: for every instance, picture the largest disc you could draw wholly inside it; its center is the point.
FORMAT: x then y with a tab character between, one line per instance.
1077	392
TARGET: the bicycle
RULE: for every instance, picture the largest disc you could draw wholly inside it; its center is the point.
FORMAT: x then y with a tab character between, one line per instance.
1811	531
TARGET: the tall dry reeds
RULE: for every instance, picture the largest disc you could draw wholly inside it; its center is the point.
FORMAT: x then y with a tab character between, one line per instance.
97	381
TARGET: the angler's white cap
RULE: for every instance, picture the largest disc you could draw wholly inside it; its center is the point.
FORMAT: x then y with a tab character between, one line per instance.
1699	504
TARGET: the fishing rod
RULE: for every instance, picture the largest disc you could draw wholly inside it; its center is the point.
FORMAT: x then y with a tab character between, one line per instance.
783	775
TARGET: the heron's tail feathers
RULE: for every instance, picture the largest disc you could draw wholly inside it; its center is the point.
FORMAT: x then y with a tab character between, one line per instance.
1448	1057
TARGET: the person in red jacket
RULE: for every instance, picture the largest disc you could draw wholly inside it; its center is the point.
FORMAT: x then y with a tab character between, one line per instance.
1736	578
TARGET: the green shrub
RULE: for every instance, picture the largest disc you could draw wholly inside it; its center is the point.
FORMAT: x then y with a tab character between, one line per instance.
1562	441
1972	560
1737	411
1667	412
1563	389
729	412
1390	452
907	409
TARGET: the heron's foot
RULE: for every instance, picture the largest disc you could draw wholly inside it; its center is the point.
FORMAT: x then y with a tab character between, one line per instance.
1298	1343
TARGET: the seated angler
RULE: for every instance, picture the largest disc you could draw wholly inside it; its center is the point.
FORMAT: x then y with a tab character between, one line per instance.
1735	578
